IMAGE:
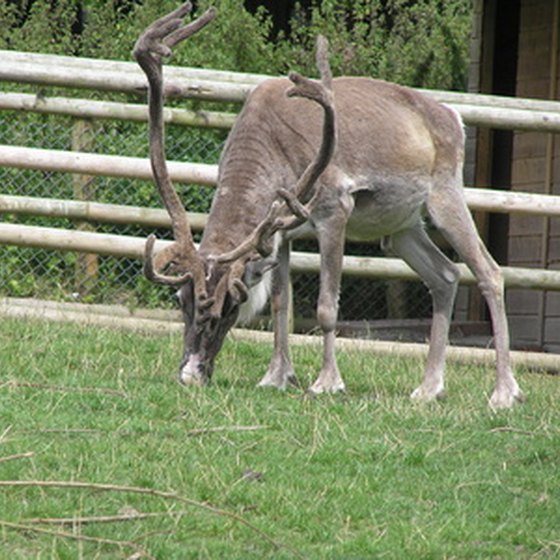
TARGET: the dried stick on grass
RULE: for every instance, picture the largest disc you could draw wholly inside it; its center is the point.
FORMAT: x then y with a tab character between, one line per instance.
101	518
149	492
512	430
217	429
63	389
18	456
141	553
66	431
4	434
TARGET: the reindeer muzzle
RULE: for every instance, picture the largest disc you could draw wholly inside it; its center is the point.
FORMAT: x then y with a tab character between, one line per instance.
194	371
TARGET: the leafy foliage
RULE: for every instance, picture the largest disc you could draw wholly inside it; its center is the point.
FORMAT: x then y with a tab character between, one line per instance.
419	43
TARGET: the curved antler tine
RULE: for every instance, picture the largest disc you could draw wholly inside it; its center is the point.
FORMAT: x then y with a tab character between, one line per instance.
230	284
304	87
322	60
306	191
236	287
239	290
320	92
152	265
151	41
315	91
155	42
185	32
255	241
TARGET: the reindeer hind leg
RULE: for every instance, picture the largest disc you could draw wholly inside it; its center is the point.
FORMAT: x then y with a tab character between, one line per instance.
448	210
441	277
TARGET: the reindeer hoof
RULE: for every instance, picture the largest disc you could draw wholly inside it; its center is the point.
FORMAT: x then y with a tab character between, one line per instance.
425	394
193	378
192	381
279	382
506	399
319	388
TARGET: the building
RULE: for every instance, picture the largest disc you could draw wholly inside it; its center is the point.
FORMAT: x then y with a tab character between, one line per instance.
515	53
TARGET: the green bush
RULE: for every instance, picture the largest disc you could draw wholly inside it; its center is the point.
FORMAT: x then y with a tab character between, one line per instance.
420	43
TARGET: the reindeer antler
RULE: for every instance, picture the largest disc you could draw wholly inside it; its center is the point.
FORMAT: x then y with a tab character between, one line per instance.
322	94
155	43
292	208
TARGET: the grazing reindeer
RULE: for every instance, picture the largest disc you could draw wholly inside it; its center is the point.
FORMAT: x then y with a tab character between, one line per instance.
398	155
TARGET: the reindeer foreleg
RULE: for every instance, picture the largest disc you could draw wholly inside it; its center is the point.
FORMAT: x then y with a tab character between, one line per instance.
331	244
280	372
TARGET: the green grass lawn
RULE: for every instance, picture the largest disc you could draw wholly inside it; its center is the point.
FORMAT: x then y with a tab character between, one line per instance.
232	471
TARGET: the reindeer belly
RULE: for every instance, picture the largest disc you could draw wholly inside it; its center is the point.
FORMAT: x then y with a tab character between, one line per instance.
383	210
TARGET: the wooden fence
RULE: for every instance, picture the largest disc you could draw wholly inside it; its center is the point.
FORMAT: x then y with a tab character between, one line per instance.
214	85
209	85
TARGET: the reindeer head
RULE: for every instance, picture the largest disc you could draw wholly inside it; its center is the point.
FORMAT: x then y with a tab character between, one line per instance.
211	288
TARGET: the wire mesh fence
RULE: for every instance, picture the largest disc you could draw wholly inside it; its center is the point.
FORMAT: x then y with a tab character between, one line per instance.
48	274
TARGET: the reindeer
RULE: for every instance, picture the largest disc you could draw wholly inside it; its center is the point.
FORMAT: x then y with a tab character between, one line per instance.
350	157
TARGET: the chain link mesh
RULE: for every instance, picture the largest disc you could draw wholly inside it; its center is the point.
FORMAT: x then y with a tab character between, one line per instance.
49	274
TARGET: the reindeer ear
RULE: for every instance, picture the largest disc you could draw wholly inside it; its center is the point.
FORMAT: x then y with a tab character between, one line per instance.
255	270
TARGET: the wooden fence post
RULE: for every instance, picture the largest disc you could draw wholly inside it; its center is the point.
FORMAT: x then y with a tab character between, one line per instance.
87	264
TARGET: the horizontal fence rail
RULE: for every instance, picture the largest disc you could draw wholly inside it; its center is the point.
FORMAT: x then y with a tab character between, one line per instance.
182	72
472	114
215	85
486	200
98	212
103	165
52	238
133	247
132	81
119	66
92	109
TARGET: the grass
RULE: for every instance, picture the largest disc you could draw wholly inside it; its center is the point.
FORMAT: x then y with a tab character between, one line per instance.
367	474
